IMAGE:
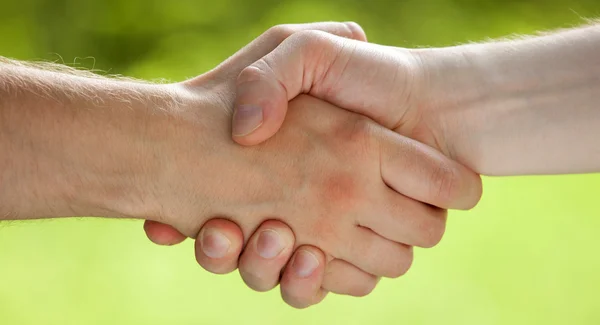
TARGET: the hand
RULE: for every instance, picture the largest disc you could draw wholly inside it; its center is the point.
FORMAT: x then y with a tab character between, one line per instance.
391	89
322	175
340	277
225	75
390	85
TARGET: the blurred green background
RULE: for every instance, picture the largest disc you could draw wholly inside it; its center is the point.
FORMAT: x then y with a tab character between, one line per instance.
528	254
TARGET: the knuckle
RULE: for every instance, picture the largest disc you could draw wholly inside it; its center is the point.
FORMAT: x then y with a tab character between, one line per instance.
357	132
445	184
254	72
309	39
361	137
362	128
263	69
279	33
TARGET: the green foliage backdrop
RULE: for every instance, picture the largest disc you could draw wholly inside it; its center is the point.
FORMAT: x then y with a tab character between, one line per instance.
526	255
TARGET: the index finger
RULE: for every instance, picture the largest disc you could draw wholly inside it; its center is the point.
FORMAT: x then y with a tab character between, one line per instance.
425	174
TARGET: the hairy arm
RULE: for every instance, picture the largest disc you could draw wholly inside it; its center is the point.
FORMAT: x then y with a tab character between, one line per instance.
71	142
529	106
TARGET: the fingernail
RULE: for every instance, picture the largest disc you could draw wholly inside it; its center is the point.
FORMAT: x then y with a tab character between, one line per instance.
214	244
246	119
269	244
305	263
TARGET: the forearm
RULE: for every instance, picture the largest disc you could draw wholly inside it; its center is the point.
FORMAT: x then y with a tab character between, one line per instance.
529	106
73	145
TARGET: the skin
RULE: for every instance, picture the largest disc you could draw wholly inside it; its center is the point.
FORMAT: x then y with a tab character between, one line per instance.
356	195
511	107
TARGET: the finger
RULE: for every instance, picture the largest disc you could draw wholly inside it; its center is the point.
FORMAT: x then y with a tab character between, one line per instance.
265	87
219	245
424	174
162	234
364	78
344	278
266	254
376	255
404	220
249	117
270	39
302	278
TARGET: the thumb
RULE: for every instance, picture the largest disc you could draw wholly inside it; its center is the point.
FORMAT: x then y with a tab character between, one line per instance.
260	105
265	87
369	79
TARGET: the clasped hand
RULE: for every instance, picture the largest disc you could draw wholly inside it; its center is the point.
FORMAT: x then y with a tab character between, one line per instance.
332	201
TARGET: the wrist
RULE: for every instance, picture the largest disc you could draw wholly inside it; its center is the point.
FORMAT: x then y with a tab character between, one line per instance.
455	91
166	125
192	151
504	108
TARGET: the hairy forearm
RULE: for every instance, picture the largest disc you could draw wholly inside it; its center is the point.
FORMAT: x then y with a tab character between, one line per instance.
72	143
529	106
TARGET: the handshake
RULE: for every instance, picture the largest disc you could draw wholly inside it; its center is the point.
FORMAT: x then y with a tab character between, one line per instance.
311	158
333	197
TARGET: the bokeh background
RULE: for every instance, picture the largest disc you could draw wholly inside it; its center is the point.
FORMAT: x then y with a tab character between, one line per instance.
528	254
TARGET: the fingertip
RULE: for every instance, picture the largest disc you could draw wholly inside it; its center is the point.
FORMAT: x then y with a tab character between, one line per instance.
314	300
476	188
268	128
273	116
468	189
252	139
284	239
247	118
218	246
303	277
260	106
266	254
162	234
